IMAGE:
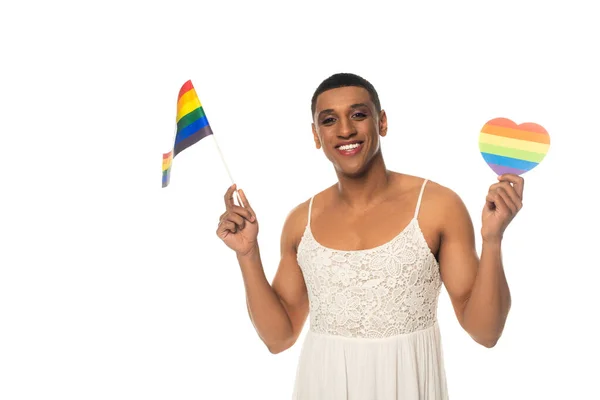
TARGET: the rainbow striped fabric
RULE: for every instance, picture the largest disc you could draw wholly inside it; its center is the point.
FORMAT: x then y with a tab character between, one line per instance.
510	148
192	126
166	168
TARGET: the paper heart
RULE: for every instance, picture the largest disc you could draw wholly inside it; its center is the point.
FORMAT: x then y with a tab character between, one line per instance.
510	148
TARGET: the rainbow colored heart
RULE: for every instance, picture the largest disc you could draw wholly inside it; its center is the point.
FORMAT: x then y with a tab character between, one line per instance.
510	148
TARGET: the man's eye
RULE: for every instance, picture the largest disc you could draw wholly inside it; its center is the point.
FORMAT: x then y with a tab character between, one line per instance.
328	120
360	115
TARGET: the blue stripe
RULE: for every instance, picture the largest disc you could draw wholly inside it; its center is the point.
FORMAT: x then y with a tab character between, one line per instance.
191	129
508	162
166	177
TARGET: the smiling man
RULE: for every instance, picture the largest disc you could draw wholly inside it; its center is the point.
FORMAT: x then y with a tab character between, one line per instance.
366	258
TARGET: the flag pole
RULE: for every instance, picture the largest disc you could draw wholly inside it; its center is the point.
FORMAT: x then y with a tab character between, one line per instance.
172	151
226	167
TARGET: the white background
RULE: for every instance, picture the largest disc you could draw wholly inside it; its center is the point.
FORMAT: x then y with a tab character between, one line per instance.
114	288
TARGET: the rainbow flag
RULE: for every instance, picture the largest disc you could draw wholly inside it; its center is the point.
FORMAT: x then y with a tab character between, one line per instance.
166	168
192	126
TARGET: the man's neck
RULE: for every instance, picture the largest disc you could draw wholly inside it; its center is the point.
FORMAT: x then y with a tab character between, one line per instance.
361	192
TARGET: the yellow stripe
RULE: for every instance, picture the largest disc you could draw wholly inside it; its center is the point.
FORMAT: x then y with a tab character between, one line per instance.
188	102
166	163
535	147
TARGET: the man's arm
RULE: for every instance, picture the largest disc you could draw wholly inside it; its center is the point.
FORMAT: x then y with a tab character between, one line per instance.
278	311
477	287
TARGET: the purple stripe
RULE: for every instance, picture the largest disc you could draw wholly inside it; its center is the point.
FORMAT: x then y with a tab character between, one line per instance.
501	169
192	139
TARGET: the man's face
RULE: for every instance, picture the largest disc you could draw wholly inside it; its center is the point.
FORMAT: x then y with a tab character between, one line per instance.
347	126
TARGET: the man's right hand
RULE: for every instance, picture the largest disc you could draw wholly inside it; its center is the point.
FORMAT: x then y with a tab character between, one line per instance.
238	226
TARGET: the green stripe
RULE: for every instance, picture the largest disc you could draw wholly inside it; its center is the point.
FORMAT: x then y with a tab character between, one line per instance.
512	153
190	118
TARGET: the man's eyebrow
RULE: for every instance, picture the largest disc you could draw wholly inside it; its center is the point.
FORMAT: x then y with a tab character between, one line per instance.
330	110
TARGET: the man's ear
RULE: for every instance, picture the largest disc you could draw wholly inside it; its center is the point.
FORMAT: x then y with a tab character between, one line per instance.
316	137
383	123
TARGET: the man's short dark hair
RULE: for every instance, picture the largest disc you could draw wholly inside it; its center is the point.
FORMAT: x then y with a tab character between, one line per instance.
342	80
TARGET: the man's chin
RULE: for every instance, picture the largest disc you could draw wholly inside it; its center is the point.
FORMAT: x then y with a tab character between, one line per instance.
351	173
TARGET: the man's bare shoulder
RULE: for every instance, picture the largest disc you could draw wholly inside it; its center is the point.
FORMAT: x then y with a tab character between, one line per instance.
440	193
442	203
438	200
297	220
410	183
297	216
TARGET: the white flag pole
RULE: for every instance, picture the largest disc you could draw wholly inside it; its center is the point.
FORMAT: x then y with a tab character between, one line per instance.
226	168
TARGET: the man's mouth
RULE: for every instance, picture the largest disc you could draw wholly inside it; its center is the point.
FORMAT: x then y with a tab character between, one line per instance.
350	149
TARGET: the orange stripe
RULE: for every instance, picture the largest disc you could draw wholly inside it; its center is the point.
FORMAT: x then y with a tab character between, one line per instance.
516	133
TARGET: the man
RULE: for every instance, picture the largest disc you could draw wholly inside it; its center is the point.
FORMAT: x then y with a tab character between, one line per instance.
367	257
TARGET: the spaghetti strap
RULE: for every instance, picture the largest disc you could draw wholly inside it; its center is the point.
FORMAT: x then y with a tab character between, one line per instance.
420	197
309	211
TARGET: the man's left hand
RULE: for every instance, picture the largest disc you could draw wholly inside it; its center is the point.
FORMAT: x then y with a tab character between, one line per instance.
503	202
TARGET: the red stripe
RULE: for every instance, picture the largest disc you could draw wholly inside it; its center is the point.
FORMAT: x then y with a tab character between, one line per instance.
167	155
532	127
527	126
185	88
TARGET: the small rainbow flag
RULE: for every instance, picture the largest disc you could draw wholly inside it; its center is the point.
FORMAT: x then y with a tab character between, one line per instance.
192	126
166	168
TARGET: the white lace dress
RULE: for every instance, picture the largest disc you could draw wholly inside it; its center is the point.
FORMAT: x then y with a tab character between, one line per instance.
373	332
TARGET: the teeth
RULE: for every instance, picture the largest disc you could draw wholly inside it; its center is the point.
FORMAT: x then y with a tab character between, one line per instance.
349	146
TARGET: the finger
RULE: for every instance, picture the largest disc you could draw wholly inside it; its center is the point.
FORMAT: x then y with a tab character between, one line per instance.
229	197
246	204
226	226
517	181
502	192
495	202
236	219
244	212
511	192
222	216
245	201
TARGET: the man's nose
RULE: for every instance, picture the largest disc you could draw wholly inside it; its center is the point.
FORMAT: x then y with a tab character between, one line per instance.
347	128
